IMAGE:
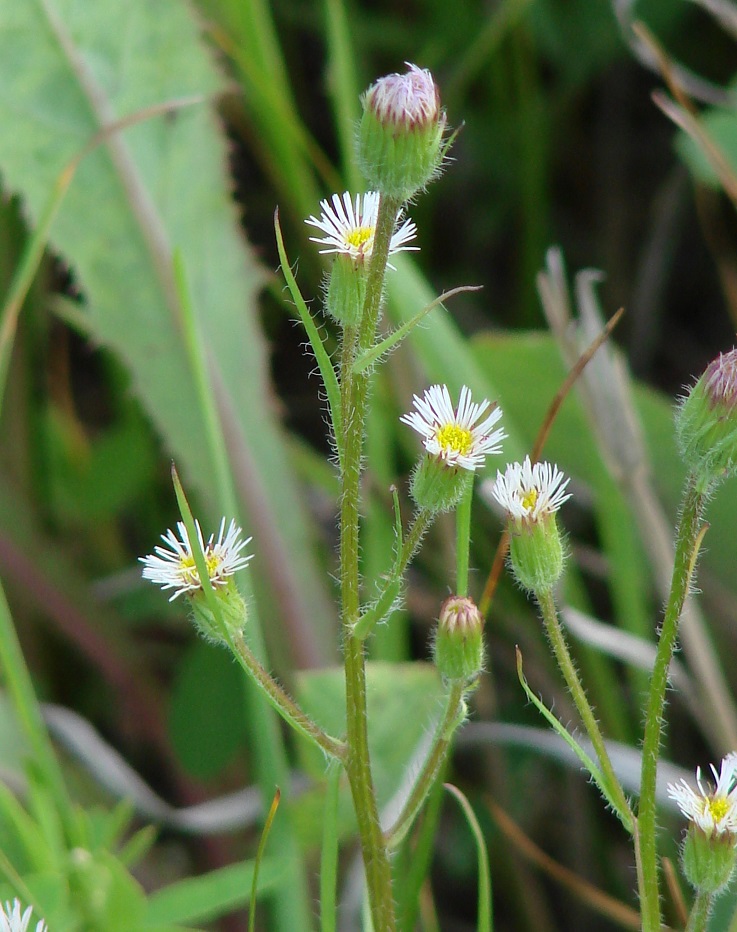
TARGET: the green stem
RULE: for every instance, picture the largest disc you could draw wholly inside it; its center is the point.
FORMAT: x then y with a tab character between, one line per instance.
385	222
568	669
354	398
329	851
700	912
463	540
380	608
289	710
452	717
687	543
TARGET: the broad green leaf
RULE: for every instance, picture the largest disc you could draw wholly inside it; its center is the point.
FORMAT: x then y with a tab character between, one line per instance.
66	70
403	701
205	898
204	730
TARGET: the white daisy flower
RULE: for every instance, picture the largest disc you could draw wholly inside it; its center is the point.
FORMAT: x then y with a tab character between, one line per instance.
350	225
173	566
528	492
451	435
12	920
715	811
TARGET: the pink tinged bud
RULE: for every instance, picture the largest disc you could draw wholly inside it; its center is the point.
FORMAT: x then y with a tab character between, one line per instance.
706	422
459	647
400	139
406	100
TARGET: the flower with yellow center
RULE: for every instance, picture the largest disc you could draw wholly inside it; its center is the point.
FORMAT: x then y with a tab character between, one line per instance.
173	566
713	811
13	920
529	492
457	437
350	224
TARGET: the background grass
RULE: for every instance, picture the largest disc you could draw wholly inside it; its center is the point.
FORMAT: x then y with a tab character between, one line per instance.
560	144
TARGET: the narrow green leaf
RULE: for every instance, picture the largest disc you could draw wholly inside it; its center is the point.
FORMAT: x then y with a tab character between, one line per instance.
327	371
485	919
374	353
596	775
329	854
260	856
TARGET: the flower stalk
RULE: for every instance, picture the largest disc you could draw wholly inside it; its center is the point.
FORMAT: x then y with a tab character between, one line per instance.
690	532
452	717
354	395
570	675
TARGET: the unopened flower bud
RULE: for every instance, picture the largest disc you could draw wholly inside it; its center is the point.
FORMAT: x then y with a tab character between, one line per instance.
706	421
400	143
459	645
531	495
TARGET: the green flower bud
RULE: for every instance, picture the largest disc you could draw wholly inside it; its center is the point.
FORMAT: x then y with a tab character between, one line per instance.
536	554
346	291
233	614
706	421
459	644
708	861
437	486
531	494
400	140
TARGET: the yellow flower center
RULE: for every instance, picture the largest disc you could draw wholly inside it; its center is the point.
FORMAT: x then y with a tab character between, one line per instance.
360	237
718	807
189	569
528	499
455	439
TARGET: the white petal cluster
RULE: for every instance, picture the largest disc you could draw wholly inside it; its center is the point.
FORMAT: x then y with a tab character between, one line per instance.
349	225
713	810
173	566
12	920
459	437
528	492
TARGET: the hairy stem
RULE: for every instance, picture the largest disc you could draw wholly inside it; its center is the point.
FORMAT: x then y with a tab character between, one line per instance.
687	543
568	669
354	399
451	718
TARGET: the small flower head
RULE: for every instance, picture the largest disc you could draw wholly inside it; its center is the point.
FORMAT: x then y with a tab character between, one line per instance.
713	811
12	920
457	443
349	225
459	647
706	421
457	437
173	566
531	494
400	141
709	853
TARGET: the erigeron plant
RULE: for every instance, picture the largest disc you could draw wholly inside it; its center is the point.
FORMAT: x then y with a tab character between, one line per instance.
401	147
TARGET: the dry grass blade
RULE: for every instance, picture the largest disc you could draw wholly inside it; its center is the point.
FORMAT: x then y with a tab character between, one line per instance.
619	913
537	448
